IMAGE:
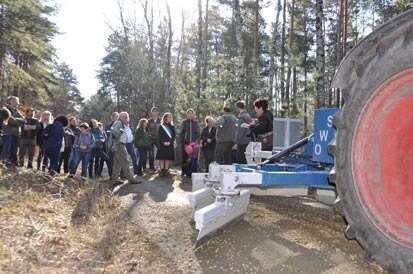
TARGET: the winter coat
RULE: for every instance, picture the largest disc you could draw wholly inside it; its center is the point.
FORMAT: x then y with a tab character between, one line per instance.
241	137
140	138
189	131
207	134
84	139
53	136
16	120
225	126
264	125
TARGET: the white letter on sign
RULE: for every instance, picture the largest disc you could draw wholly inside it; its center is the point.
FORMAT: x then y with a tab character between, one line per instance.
323	135
330	121
317	149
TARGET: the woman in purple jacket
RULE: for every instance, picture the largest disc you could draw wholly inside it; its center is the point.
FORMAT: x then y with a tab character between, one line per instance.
83	145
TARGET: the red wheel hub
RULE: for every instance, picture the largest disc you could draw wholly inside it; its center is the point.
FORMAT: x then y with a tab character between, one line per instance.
382	158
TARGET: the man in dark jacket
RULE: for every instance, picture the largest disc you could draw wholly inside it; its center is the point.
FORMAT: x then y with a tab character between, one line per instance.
28	138
189	134
11	132
241	138
225	137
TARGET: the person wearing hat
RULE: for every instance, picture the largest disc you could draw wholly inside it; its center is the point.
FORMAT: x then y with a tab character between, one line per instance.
28	138
225	136
153	129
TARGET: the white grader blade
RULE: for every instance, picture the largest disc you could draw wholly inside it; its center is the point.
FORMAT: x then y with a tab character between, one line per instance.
201	198
223	212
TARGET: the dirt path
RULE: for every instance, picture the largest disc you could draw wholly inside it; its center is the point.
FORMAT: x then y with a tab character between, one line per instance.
277	235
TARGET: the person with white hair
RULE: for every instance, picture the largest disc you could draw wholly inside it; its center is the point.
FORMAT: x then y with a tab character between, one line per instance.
42	160
119	136
11	132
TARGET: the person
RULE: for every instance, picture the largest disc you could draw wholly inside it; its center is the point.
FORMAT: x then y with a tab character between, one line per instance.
189	137
105	152
11	132
73	126
54	141
114	117
97	151
4	116
153	128
225	136
42	160
208	142
241	138
82	147
117	144
69	139
166	149
28	138
264	125
141	143
130	148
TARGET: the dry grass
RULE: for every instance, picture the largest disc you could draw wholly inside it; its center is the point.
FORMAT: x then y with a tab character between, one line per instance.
61	225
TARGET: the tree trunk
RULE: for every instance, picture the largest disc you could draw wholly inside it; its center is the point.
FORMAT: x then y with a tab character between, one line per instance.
205	50
290	56
273	65
169	53
320	57
199	57
282	60
238	26
256	42
148	14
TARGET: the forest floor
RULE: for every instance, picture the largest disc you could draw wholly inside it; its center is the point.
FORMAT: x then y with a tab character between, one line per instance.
79	226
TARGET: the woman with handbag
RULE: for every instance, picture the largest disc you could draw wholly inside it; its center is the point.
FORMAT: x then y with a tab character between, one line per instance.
262	129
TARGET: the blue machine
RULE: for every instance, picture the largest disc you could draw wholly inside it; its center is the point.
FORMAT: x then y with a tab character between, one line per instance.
219	197
307	168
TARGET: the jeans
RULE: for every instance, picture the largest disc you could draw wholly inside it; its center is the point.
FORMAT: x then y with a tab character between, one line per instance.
209	157
131	151
142	158
10	145
153	147
78	157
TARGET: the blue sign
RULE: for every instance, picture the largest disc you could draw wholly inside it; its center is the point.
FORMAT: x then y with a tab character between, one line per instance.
324	133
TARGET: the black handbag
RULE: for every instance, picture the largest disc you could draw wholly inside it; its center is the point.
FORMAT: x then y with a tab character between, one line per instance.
266	140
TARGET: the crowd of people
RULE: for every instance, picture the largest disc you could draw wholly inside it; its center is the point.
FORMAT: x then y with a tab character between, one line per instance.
63	145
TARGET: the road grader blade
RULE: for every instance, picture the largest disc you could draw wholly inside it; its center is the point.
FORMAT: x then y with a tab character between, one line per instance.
215	217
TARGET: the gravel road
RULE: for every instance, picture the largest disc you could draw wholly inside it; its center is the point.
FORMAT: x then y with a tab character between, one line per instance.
277	234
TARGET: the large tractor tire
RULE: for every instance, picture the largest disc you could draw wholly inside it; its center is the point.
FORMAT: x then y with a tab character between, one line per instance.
373	149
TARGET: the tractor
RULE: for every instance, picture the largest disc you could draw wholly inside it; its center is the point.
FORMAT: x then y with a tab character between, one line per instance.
371	149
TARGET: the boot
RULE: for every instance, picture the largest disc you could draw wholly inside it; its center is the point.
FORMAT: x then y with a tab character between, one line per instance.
162	173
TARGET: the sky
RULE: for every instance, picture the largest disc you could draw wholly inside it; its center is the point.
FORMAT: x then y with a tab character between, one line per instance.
85	27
